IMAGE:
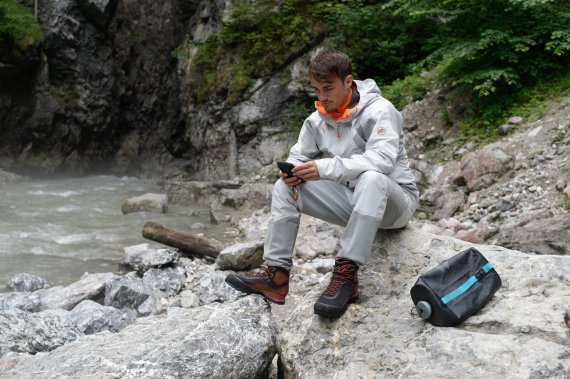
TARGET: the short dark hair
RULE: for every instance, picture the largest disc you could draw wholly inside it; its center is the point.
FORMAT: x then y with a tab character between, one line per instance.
330	64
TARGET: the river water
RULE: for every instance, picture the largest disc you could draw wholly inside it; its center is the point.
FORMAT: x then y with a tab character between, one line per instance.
60	229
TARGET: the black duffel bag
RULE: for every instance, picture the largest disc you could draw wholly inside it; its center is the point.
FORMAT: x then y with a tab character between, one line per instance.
455	289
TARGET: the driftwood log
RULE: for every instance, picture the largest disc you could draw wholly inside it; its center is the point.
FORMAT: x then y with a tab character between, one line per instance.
184	241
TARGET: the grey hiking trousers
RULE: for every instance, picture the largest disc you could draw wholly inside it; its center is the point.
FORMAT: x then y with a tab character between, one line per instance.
377	202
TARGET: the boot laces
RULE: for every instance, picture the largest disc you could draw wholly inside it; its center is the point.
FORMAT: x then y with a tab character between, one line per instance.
341	275
268	273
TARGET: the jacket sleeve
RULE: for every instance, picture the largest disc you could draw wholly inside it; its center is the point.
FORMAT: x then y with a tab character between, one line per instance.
383	128
306	148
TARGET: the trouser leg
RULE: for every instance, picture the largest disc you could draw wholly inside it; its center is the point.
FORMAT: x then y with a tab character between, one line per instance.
282	228
377	201
324	199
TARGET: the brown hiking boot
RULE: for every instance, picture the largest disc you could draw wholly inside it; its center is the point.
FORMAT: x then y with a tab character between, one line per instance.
272	284
341	291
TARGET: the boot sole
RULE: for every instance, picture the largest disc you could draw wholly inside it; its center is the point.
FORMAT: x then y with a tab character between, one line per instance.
329	311
237	285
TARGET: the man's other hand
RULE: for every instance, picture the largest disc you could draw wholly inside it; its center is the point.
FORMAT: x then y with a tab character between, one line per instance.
307	171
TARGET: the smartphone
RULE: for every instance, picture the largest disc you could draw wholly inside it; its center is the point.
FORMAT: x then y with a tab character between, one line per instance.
286	167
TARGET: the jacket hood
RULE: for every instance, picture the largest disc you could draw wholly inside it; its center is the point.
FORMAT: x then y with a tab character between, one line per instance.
368	90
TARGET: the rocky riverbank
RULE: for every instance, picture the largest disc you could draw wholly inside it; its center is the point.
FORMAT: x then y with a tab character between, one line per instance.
173	316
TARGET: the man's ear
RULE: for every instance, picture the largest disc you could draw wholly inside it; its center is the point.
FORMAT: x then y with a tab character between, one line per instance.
348	80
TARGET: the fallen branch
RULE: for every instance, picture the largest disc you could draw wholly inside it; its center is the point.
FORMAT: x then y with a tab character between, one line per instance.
187	242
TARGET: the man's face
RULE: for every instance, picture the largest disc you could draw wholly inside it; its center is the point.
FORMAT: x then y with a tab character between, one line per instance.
333	92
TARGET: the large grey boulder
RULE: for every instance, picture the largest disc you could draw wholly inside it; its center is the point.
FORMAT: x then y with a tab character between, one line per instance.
91	317
25	332
519	333
24	301
90	287
232	340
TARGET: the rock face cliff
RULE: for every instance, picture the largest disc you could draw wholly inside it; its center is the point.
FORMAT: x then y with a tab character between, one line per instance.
112	91
104	92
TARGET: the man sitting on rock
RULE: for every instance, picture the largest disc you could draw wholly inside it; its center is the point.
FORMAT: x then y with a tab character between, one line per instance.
350	169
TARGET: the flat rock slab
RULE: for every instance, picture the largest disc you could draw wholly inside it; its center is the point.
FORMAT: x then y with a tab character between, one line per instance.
520	333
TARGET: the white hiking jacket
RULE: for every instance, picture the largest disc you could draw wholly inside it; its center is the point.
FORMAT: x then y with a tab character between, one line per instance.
370	138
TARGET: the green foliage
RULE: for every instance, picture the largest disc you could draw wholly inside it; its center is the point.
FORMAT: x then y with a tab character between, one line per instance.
484	51
19	28
405	91
496	47
383	43
259	38
495	56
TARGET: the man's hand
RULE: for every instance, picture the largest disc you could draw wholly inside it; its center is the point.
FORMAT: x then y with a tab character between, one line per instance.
307	171
292	181
303	172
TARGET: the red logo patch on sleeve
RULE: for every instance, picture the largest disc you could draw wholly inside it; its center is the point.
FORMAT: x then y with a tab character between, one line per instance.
381	130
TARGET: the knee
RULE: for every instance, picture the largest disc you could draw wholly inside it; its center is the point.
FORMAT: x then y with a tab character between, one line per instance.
372	178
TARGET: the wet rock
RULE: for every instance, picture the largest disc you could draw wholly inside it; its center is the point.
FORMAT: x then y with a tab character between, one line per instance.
142	257
90	287
241	256
27	283
91	317
232	340
24	301
25	332
150	202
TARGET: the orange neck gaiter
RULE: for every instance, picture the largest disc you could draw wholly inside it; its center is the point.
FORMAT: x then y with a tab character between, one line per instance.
340	112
